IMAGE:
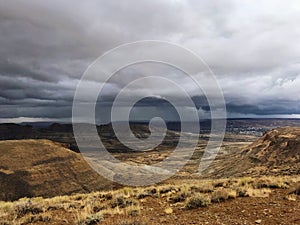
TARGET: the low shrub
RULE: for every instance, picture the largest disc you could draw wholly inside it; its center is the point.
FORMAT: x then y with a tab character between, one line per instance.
197	201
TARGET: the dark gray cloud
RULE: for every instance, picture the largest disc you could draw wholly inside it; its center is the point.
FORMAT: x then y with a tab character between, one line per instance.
252	47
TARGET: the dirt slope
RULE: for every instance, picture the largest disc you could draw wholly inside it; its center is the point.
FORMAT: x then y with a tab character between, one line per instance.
44	168
277	147
277	152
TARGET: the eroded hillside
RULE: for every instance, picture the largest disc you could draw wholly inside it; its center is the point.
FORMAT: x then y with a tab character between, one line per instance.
277	152
44	168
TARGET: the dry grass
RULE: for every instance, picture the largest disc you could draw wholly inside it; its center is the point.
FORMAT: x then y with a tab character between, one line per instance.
89	219
223	195
197	201
168	210
291	197
93	207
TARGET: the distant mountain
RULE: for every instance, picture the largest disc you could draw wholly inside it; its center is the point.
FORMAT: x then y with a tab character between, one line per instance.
37	124
58	127
11	131
44	168
63	133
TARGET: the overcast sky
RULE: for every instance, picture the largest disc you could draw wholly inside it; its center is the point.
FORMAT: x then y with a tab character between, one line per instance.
252	47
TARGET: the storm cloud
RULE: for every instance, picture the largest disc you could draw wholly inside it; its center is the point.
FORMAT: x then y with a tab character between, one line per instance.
251	46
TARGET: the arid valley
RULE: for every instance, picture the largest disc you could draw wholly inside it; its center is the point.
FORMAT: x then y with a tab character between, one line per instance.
149	112
253	180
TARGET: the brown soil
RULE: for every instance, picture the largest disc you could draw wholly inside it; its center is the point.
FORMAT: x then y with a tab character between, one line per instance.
272	210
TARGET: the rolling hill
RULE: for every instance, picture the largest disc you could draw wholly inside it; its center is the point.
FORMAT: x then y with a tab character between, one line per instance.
44	168
277	152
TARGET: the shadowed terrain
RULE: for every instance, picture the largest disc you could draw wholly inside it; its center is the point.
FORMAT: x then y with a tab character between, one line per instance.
44	168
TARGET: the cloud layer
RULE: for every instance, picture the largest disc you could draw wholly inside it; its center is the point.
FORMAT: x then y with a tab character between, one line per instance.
251	46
